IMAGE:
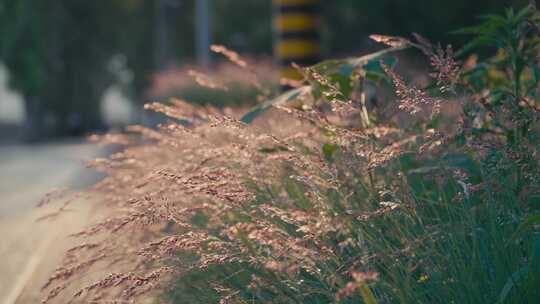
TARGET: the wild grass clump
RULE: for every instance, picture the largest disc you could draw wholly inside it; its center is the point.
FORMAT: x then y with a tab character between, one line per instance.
335	202
230	83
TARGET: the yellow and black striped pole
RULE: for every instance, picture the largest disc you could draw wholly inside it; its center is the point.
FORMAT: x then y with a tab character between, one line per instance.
296	28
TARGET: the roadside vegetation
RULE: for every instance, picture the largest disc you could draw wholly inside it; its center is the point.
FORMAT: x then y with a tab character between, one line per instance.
320	195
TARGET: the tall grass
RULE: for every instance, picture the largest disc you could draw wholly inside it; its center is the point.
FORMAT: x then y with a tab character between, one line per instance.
430	197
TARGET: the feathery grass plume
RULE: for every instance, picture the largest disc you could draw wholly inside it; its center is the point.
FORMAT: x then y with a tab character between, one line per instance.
241	89
391	41
412	99
308	208
235	58
231	55
206	81
446	68
110	139
359	284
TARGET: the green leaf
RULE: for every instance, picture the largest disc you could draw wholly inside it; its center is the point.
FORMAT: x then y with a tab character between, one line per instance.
327	68
350	64
529	222
270	150
329	150
367	294
535	256
475	43
460	161
424	170
523	14
279	100
374	70
536	71
494	19
360	61
512	281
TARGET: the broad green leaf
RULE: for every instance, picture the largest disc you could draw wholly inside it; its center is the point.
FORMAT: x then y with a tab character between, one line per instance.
360	61
279	100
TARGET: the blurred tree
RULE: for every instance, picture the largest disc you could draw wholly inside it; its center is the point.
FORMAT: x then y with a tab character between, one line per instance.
245	26
56	53
166	12
38	45
20	50
59	52
356	19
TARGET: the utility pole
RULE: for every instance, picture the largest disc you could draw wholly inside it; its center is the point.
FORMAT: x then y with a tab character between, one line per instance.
296	35
203	32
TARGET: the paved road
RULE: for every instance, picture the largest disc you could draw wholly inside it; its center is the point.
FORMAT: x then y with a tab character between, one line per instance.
27	173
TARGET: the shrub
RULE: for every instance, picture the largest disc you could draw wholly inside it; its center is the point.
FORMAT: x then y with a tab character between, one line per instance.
337	203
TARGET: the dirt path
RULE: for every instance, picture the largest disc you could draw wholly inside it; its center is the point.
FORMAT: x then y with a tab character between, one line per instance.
31	249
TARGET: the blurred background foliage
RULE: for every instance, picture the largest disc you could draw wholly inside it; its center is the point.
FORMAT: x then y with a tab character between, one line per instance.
62	55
